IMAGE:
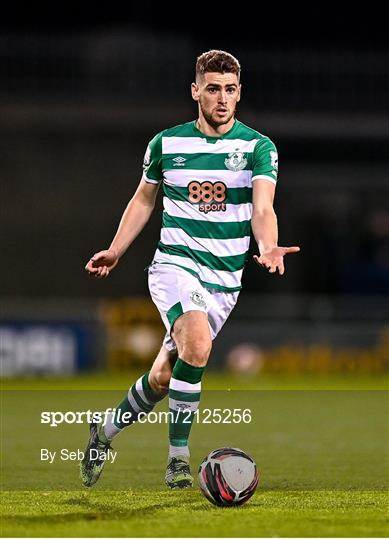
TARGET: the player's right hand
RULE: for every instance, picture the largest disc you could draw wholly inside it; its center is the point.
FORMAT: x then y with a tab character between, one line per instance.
102	263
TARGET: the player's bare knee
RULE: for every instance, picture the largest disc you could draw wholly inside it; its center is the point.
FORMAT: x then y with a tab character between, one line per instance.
197	352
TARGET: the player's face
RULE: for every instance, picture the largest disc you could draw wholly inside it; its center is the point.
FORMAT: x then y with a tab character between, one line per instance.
217	95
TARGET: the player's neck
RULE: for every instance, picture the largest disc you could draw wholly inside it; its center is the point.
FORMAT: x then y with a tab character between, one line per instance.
211	131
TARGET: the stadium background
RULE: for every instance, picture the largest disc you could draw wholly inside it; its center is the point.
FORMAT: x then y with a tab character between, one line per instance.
80	97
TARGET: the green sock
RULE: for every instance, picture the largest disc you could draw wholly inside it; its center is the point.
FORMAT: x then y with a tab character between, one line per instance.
184	398
141	398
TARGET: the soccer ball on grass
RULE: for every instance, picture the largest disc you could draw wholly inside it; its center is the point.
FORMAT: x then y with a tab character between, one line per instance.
228	477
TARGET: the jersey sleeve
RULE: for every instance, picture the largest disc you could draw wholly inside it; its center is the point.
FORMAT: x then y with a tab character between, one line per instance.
265	161
152	161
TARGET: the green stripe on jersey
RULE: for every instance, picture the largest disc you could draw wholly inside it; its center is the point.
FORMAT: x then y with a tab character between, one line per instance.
208	229
231	263
234	195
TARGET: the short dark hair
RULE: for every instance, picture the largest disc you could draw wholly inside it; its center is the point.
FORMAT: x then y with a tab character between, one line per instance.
217	62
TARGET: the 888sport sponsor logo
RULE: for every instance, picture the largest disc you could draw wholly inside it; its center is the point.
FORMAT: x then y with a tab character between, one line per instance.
210	196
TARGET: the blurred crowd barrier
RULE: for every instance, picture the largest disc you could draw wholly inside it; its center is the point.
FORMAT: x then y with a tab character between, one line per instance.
133	332
250	359
53	337
264	333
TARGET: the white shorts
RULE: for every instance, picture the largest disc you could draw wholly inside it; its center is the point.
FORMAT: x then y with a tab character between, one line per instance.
175	291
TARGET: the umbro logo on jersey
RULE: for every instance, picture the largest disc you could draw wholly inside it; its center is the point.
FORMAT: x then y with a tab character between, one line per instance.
179	161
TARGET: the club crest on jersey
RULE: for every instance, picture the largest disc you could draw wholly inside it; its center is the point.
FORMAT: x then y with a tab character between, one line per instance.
235	161
197	298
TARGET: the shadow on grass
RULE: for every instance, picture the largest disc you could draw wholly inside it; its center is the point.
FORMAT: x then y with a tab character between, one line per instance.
92	509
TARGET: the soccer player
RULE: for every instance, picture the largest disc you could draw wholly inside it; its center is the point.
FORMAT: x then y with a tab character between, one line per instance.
218	178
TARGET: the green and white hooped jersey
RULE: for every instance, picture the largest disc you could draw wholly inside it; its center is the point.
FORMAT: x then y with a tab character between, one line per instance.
207	186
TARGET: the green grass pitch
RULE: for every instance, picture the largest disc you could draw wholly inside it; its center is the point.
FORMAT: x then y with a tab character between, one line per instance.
320	444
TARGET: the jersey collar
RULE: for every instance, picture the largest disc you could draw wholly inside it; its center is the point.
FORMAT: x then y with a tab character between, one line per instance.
213	138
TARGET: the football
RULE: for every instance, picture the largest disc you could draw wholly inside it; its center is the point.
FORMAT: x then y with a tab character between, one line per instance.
228	477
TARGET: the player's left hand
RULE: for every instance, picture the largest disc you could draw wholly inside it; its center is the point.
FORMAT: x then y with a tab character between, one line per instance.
273	259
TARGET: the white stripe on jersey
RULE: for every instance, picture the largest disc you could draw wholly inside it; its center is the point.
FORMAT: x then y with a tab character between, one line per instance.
199	145
216	246
183	209
181	178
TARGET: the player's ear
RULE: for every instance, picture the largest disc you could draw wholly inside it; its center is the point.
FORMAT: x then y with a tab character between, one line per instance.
239	91
195	91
